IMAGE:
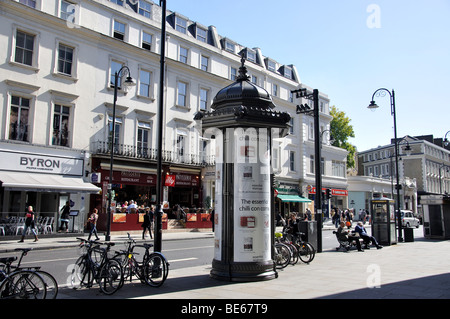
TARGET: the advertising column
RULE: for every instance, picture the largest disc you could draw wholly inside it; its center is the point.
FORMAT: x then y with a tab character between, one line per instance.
252	196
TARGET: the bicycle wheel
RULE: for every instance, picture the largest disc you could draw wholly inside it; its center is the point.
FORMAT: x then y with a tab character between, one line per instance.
294	253
24	284
51	284
304	253
156	269
82	274
282	255
313	251
110	277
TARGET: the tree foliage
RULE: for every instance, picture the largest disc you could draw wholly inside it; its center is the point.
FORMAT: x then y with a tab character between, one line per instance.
341	130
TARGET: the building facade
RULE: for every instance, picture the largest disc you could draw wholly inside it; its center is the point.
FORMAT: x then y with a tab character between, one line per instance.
424	164
57	85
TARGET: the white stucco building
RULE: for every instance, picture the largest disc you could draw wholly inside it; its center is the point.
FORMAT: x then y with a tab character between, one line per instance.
58	60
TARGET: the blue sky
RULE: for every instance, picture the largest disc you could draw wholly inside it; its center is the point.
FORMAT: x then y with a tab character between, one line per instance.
348	49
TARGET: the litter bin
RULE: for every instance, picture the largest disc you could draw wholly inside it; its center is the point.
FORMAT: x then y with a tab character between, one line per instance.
309	228
409	234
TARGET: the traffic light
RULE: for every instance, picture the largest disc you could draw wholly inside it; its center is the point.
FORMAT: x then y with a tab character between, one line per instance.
328	193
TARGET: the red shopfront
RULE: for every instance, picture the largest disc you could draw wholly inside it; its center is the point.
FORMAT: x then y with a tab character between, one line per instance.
129	183
183	189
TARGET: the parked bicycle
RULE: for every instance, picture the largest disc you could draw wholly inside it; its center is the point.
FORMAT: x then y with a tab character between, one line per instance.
282	255
25	282
152	270
95	266
305	250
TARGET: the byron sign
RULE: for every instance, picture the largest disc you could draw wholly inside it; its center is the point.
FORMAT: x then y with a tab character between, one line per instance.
37	163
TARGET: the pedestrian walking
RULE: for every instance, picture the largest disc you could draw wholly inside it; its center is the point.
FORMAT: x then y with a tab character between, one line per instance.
92	220
65	212
29	223
147	224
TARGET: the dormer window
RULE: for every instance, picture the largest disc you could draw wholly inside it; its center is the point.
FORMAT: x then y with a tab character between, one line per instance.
288	72
271	65
201	34
230	46
251	56
180	24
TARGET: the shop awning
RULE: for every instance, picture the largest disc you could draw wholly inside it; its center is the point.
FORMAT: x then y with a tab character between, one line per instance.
46	183
293	199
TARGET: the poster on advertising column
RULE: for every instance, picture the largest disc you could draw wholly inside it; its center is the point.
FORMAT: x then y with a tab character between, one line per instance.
252	198
218	213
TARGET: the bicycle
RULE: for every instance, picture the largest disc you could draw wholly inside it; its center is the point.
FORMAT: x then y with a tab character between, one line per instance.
94	265
20	283
282	255
50	282
293	249
305	250
152	270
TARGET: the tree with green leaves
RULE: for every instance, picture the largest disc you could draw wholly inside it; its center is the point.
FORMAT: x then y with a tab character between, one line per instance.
340	131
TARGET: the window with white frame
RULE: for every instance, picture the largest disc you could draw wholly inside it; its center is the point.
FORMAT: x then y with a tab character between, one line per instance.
291	129
311	130
24	48
201	34
117	131
145	8
61	122
233	74
144	83
183	55
182	94
180	24
204	99
230	46
276	159
119	30
115	67
288	72
274	89
338	168
147	40
254	79
181	146
65	59
67	11
292	161
19	119
311	164
251	56
143	138
204	63
271	65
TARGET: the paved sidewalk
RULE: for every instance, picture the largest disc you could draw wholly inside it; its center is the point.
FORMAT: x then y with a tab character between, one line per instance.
419	269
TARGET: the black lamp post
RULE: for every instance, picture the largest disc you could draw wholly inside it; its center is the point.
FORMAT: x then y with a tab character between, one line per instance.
305	109
382	92
159	210
127	83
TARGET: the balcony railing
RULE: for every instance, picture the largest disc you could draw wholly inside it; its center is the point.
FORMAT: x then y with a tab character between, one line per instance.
131	151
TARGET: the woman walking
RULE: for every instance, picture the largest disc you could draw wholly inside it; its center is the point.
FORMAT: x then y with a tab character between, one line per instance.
29	223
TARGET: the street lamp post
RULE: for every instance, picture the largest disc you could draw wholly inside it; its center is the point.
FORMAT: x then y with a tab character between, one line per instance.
372	106
159	210
305	109
127	83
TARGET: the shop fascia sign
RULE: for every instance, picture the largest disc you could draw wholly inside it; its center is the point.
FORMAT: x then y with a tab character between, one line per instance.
334	192
38	163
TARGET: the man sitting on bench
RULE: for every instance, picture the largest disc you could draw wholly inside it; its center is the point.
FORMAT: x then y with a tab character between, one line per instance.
345	235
